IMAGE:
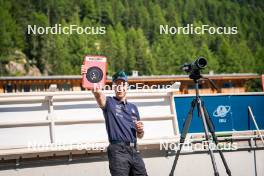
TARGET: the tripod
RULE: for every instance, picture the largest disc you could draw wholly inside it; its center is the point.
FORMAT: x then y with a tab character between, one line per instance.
207	124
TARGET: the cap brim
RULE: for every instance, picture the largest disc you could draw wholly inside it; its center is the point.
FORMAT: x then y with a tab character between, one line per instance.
120	78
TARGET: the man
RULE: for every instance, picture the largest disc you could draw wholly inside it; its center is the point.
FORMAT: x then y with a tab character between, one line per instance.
123	126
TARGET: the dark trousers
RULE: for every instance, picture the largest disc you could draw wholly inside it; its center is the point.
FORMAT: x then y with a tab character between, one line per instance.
125	161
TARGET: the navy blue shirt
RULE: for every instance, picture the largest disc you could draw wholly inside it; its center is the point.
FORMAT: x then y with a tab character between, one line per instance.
120	119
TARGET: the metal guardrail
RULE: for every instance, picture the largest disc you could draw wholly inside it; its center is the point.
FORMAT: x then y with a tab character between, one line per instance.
47	100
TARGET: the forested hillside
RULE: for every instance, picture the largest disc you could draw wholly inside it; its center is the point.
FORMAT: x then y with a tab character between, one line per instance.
132	40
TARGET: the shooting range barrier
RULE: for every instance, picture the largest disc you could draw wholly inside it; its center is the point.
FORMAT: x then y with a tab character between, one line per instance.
47	119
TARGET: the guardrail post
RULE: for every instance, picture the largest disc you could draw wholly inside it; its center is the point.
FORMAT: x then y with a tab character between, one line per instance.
173	112
50	117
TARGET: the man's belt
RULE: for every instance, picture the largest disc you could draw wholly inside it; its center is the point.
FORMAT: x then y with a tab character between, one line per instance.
131	144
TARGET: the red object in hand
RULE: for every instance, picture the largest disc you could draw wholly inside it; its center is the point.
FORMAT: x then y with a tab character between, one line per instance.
95	76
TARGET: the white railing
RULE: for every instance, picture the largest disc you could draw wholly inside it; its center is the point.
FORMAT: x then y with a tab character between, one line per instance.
74	118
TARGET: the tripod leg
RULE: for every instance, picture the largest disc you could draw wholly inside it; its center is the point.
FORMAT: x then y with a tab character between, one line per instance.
183	135
212	131
202	113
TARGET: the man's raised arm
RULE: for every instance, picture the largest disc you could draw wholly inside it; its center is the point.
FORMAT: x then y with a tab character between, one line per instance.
100	97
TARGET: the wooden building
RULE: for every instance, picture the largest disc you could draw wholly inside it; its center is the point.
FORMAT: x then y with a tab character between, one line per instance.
227	83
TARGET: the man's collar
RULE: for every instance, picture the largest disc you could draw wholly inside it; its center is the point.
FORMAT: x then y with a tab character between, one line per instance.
119	101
